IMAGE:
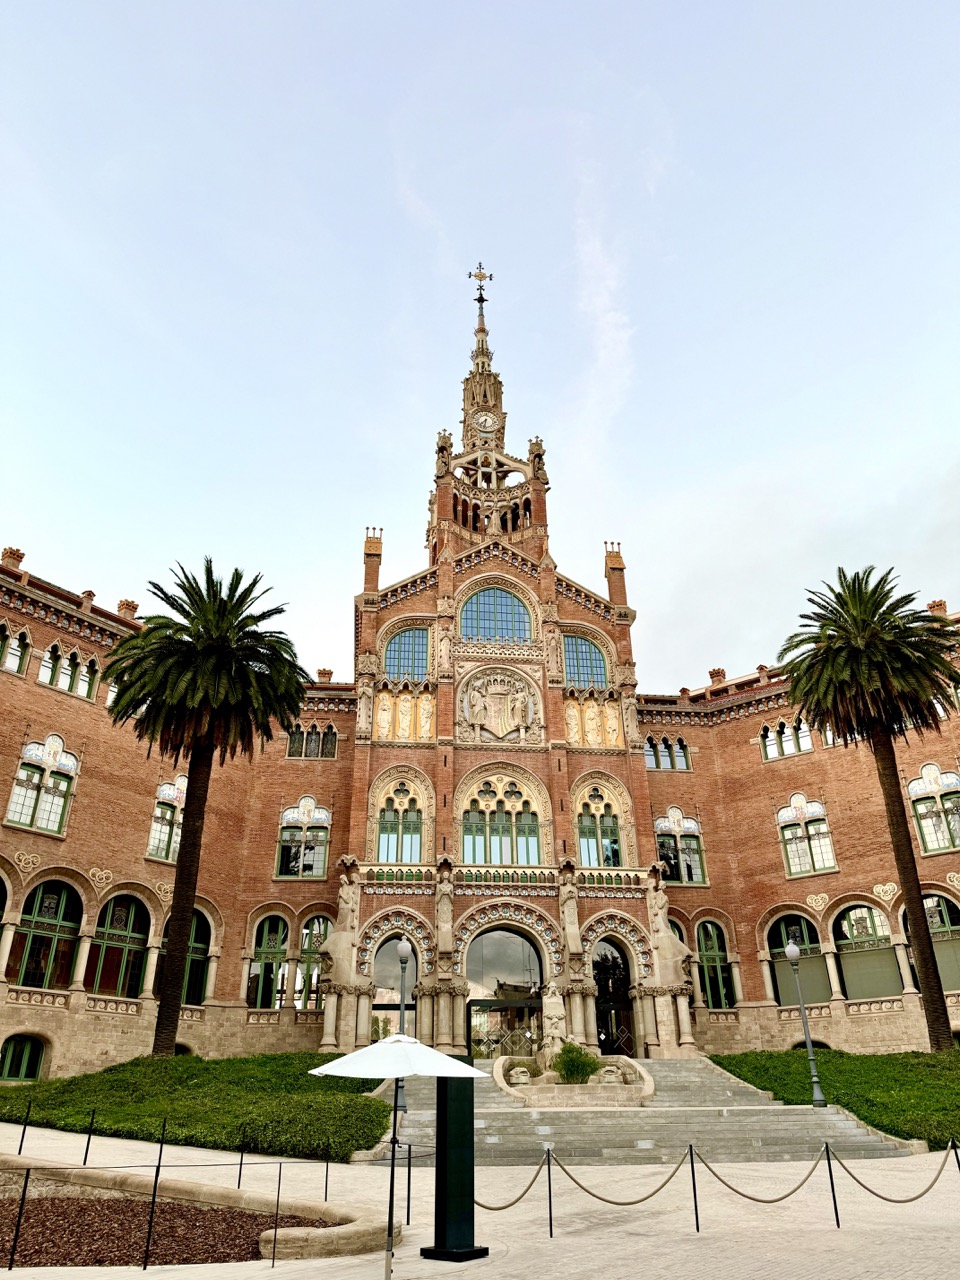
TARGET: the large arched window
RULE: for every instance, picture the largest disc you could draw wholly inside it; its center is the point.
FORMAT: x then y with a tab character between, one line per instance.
45	943
119	948
598	831
716	976
400	827
386	982
406	655
680	848
198	959
584	665
867	962
309	969
20	1059
500	827
304	837
806	840
495	614
814	979
268	968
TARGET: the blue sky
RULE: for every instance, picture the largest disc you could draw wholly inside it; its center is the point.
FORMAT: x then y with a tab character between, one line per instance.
235	313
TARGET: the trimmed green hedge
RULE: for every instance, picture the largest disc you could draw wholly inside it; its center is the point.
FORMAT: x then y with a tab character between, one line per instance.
574	1065
268	1103
909	1095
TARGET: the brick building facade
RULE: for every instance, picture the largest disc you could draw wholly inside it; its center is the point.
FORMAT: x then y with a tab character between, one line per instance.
490	784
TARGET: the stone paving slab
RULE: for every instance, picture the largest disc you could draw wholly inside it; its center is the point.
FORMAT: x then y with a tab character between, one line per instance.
656	1241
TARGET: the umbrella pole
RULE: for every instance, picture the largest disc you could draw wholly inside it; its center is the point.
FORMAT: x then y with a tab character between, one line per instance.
388	1259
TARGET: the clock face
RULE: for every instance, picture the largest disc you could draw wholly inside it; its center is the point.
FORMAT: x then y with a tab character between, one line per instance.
485	423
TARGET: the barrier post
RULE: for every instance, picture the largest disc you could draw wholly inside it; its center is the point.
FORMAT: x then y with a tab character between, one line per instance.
549	1147
276	1217
833	1189
956	1152
326	1180
243	1143
26	1121
16	1230
693	1181
86	1149
409	1178
153	1201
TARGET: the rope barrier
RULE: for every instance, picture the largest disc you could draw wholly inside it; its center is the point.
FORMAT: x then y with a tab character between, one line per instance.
621	1204
763	1199
897	1199
497	1208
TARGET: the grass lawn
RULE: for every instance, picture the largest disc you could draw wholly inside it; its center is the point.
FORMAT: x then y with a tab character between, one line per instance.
910	1095
268	1103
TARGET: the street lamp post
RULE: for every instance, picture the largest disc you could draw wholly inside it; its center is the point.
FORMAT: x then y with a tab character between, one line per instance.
792	952
404	952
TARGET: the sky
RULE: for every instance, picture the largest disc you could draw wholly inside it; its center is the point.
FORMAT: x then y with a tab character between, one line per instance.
234	245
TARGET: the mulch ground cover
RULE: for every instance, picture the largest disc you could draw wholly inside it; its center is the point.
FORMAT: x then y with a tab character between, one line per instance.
82	1232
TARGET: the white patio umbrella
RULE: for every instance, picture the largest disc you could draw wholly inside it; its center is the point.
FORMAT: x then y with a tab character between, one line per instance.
397	1056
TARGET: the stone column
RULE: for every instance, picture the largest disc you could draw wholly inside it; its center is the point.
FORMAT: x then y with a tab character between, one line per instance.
650	1037
290	985
460	1029
590	1011
347	1038
329	1041
903	960
444	1034
149	972
213	963
737	981
665	1004
638	1038
577	1027
425	1017
364	1001
80	961
683	1018
698	1001
836	990
767	975
244	977
6	942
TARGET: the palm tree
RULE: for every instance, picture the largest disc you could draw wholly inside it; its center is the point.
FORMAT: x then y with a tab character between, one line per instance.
867	665
204	682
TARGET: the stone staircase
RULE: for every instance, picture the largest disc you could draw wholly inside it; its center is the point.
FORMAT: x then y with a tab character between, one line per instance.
695	1101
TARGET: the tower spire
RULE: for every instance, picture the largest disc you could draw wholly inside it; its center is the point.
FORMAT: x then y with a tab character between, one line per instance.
483	416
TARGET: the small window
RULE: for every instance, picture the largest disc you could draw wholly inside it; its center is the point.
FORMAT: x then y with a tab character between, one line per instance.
68	674
311	748
164	839
49	666
328	743
650	754
295	742
268	968
406	655
14	651
21	1059
716	975
302	851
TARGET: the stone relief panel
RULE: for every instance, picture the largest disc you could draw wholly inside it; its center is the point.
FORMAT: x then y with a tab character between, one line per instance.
408	716
499	705
588	722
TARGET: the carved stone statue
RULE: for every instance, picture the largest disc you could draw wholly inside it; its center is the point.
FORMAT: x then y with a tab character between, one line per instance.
384	715
364	712
571	720
496	705
446	650
444	445
591	724
671	957
554	1021
535	458
338	948
554	666
630	719
426	715
404	716
445	913
569	915
611	724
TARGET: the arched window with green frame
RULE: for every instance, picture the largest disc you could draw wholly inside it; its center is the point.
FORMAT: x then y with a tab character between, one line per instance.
814	978
198	960
474	835
268	968
943	915
45	942
14	650
865	955
118	952
716	974
309	968
528	837
21	1059
495	614
584	665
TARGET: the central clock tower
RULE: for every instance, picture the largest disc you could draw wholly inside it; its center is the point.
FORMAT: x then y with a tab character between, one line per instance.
484	420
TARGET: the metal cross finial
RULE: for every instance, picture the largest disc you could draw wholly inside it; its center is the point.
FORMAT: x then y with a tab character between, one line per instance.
481	277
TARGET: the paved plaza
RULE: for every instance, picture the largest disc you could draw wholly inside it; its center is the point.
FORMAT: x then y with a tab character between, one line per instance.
738	1240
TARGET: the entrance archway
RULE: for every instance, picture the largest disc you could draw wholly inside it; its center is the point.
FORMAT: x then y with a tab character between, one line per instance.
611	973
386	996
505	974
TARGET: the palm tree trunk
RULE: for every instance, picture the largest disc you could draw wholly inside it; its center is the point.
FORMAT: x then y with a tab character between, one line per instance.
184	897
921	944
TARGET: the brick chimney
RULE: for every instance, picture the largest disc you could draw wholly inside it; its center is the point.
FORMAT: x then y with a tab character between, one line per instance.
324	675
372	554
717	675
614	569
762	673
935	606
12	558
86	601
128	609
